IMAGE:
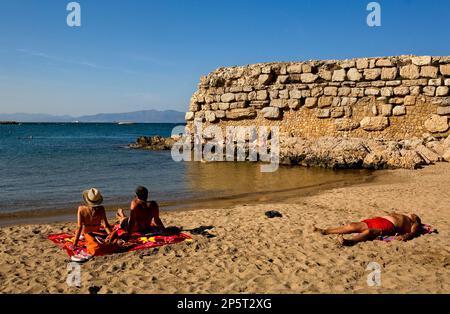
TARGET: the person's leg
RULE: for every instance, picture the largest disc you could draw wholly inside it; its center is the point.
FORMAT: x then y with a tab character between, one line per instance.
366	235
123	219
120	214
354	227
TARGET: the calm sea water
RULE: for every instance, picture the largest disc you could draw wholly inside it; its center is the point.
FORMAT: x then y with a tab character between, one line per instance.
47	166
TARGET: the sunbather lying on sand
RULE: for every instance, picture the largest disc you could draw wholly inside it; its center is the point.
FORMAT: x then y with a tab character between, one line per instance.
405	227
144	216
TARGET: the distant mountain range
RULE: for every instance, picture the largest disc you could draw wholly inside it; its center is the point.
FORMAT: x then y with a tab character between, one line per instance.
144	116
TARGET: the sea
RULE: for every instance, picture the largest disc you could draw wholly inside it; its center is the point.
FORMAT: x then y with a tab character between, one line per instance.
44	167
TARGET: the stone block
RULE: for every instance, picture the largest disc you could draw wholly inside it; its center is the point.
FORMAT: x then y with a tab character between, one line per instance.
279	103
386	110
384	63
330	91
436	124
295	94
443	111
294	104
346	124
388	74
401	91
372	74
337	112
242	113
374	123
271	112
362	63
372	91
421	60
294	69
410	71
228	97
429	71
189	116
429	91
311	102
261	95
325	101
387	91
354	75
322	113
399	111
338	75
442	91
445	69
410	101
308	77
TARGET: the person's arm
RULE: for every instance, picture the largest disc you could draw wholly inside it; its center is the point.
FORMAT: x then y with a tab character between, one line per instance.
106	224
79	228
412	234
131	220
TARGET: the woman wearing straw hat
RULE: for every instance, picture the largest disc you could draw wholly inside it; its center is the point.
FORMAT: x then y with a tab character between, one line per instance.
92	222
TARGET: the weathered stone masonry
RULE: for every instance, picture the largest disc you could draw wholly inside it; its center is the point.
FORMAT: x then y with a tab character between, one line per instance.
390	97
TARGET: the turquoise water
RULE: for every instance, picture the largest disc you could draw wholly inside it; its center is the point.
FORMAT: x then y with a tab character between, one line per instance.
47	166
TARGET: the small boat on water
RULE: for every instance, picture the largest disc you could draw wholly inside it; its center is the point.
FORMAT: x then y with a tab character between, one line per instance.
125	123
9	122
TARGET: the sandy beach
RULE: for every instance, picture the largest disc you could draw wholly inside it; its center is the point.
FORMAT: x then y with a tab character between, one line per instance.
250	253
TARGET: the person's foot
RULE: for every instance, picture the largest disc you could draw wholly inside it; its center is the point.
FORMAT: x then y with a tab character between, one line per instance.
345	242
321	231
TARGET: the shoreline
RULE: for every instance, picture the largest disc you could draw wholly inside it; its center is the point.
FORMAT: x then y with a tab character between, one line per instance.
250	253
191	204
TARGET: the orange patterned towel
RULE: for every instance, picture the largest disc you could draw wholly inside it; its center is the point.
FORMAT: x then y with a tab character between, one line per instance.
137	241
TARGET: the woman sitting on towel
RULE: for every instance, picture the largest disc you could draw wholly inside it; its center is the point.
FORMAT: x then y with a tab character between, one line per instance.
93	223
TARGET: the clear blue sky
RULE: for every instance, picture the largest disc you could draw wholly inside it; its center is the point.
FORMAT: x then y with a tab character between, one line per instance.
135	54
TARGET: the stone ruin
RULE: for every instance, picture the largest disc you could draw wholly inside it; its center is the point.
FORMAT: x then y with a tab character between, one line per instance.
389	111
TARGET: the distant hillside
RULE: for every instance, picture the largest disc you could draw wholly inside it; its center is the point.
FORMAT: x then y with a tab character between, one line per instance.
34	117
137	116
144	116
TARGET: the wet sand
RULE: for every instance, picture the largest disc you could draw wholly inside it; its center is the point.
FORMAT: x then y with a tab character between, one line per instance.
250	253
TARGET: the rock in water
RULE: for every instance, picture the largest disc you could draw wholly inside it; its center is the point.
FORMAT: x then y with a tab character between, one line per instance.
153	143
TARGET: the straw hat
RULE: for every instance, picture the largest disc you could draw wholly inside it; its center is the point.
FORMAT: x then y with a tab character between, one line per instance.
93	197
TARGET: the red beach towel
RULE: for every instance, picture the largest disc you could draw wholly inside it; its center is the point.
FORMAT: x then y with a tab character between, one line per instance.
137	241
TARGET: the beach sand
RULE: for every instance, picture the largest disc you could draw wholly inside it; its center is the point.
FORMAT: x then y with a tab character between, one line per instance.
251	253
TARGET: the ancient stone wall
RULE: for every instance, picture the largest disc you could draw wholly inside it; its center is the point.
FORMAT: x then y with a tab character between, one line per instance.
389	97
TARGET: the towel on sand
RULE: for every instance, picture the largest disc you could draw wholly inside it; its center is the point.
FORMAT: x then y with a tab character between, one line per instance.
425	229
137	241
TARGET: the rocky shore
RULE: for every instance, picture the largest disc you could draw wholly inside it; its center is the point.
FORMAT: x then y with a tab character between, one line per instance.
342	153
346	153
153	143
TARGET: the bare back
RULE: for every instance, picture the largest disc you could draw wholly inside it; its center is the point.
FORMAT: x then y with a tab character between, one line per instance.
91	218
403	223
144	213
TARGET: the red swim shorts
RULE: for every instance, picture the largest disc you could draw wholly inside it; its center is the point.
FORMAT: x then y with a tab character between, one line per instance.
386	227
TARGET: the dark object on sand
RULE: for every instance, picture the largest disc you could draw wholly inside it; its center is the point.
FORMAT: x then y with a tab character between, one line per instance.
202	230
273	214
172	231
94	289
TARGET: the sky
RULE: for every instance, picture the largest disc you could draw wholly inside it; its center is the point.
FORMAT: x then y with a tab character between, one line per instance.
136	55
